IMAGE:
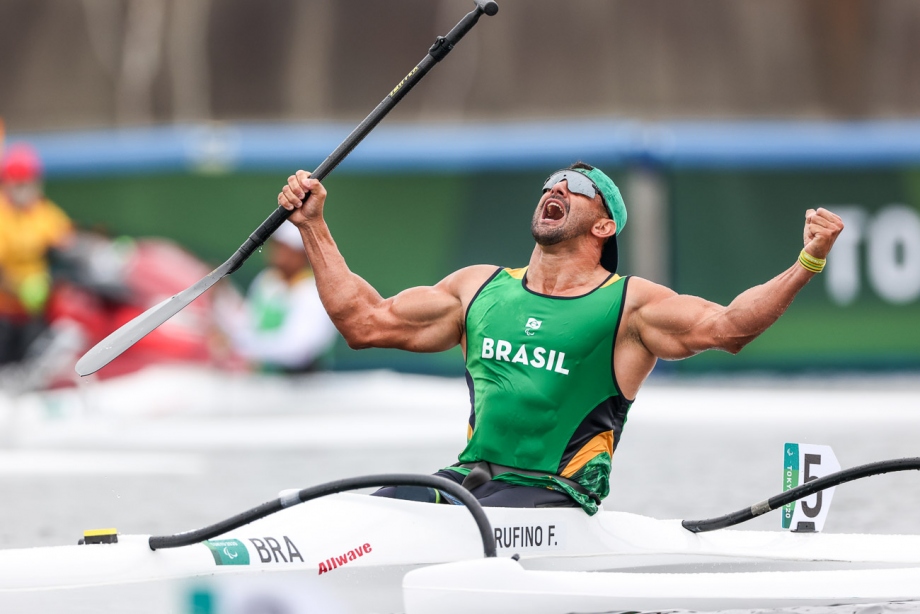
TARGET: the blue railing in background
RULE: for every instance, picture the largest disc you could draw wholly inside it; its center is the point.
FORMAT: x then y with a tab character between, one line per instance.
482	146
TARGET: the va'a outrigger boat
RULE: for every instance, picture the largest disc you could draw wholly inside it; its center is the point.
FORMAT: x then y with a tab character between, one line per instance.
345	552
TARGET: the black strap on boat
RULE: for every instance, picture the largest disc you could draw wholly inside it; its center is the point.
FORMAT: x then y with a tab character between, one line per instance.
800	492
483	471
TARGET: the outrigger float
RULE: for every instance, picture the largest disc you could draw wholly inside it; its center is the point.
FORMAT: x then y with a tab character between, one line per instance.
343	552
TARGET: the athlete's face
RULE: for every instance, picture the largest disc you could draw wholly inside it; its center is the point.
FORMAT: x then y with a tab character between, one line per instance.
562	215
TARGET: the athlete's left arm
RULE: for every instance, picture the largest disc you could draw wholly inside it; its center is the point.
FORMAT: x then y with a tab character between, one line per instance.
674	326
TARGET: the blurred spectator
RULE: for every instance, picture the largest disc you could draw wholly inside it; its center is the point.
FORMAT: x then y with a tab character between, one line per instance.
283	326
30	227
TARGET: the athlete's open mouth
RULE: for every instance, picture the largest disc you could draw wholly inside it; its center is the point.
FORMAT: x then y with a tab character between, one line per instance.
552	210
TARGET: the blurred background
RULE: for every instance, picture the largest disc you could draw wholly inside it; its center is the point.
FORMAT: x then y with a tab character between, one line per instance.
722	121
165	129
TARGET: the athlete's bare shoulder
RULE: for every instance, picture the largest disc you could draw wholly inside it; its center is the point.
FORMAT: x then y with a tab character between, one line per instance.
641	295
642	292
465	282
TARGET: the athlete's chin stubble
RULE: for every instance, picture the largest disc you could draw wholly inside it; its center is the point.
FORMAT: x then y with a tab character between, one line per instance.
547	236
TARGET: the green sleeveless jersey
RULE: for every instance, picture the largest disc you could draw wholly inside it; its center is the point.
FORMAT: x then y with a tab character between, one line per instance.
543	391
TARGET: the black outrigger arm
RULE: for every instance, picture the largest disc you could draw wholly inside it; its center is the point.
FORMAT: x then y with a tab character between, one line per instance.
800	492
330	488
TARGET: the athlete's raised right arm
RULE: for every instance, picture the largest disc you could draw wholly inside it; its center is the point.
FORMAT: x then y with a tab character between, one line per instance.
423	319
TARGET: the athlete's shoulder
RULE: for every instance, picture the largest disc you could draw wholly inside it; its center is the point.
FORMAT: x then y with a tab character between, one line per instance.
476	274
614	279
643	292
514	273
465	282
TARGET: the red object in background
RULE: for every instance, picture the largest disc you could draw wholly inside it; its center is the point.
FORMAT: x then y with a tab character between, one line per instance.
155	270
20	164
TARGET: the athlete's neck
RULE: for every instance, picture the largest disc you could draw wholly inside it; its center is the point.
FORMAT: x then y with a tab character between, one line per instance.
563	274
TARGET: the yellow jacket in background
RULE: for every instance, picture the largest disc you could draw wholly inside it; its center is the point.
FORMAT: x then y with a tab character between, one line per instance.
26	235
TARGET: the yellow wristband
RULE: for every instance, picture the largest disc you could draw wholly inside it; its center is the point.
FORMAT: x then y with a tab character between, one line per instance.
815	265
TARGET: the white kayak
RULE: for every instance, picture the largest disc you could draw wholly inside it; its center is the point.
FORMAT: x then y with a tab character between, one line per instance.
502	585
356	553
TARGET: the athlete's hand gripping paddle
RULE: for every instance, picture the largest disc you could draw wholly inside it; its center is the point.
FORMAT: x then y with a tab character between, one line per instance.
112	346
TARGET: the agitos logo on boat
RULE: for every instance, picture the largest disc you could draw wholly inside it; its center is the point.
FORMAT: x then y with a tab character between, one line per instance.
235	552
228	551
337	561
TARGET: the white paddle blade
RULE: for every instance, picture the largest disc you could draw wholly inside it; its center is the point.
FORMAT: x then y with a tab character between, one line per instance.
802	463
115	344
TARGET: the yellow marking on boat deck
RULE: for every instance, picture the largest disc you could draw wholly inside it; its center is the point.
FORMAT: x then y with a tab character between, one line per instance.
98	532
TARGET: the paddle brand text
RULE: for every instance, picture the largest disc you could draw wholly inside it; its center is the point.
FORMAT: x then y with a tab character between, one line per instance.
538	358
337	561
403	82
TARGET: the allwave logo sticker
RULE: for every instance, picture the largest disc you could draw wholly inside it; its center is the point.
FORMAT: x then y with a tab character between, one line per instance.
228	551
343	559
532	326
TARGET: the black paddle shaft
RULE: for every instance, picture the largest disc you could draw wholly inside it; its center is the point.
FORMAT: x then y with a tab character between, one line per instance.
116	343
438	52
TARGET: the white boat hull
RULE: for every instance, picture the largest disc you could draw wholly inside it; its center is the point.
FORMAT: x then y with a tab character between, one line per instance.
351	553
502	585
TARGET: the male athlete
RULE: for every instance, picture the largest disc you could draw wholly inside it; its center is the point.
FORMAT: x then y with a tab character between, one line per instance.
556	351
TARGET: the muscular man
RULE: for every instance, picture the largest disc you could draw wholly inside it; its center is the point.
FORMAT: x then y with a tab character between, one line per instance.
556	351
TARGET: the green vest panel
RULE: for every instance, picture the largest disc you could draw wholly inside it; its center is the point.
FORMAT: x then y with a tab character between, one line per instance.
543	391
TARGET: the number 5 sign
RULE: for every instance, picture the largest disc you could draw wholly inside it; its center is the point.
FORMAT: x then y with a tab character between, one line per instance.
804	462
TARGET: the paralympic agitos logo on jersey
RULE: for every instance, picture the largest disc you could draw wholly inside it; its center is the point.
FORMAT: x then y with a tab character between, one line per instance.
538	358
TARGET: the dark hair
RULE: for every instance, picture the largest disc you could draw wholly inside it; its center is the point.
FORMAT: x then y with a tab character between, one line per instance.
582	165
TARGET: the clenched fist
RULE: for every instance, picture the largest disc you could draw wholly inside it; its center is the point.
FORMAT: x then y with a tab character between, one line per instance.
821	230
